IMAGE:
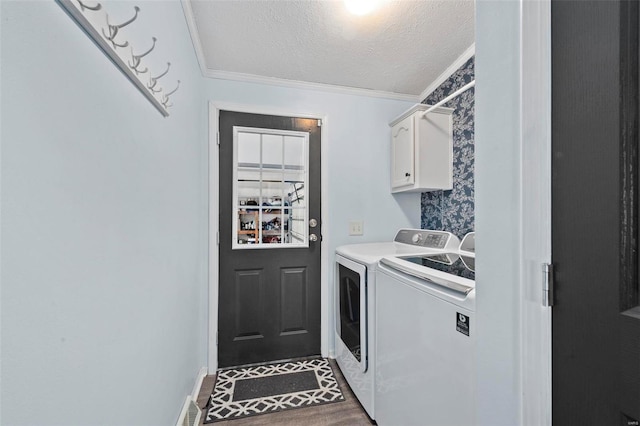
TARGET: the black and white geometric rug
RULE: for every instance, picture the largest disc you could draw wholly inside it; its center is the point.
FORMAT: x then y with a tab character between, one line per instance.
250	391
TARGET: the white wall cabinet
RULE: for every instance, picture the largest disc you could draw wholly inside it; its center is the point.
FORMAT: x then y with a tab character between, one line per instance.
422	150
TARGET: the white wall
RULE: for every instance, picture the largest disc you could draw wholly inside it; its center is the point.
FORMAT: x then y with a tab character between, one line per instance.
498	210
357	162
104	227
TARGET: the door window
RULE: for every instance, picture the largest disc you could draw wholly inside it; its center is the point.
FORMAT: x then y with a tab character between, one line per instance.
350	310
269	191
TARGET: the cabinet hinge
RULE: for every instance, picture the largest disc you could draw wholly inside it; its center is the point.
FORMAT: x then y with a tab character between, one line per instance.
319	123
218	237
218	138
216	338
547	284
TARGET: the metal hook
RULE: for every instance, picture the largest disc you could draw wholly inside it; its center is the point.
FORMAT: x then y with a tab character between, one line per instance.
113	29
83	6
142	55
173	91
113	42
135	59
154	80
165	98
124	24
137	71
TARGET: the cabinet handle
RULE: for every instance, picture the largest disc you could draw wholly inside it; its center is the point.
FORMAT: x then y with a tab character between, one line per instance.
407	174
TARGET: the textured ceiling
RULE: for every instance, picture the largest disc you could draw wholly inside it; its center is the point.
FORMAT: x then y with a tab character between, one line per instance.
400	48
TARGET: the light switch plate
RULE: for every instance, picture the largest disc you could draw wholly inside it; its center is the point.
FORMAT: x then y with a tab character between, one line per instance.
356	227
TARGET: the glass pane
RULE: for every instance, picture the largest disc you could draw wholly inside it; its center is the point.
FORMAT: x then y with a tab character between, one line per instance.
248	148
272	176
294	152
247	227
296	191
248	193
349	297
248	174
298	219
272	151
272	229
269	190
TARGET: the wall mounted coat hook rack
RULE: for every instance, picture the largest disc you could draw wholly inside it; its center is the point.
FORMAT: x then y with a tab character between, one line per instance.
94	20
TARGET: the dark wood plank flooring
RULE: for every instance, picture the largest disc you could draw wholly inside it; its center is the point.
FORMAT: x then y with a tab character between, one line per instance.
348	412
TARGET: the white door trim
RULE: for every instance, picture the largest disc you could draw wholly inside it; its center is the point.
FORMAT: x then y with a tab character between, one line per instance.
535	345
214	203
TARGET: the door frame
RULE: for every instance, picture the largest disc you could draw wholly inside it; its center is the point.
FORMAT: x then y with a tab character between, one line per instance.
520	327
535	163
214	204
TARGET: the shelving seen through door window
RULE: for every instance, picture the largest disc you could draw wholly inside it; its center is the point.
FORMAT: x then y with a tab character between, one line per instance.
269	194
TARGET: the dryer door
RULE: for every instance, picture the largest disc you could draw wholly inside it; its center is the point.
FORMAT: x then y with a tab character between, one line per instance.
351	324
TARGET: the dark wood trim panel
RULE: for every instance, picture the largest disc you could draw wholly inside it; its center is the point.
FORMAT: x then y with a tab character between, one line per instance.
629	44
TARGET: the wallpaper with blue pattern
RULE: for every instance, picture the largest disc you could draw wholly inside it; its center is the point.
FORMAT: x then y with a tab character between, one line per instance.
453	210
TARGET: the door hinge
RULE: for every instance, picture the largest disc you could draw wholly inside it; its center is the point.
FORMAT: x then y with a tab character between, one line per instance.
547	284
319	123
218	237
216	338
218	138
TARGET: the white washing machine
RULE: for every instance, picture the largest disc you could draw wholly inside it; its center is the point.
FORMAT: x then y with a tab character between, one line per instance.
426	339
355	300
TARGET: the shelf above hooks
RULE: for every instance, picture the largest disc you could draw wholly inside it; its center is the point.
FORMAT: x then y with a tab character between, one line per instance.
94	20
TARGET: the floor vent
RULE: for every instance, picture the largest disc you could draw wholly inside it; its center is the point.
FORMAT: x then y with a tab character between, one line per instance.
190	415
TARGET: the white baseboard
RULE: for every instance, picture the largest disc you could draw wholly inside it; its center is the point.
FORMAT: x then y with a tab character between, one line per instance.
198	384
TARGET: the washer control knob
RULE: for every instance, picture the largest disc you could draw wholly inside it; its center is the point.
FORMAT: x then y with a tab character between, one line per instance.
416	238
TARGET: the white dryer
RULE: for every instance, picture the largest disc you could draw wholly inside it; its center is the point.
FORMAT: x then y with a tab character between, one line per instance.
355	301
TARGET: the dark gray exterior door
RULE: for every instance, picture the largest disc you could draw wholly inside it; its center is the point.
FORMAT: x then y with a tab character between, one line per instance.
269	283
596	318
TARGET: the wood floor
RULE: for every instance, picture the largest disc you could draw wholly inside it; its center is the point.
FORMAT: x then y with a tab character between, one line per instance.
348	412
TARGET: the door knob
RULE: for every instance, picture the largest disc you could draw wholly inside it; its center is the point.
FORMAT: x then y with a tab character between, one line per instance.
313	237
313	223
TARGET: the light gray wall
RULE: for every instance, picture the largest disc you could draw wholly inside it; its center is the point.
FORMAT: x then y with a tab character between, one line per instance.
498	211
104	226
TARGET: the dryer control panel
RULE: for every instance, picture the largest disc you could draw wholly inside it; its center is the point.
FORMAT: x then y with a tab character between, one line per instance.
427	238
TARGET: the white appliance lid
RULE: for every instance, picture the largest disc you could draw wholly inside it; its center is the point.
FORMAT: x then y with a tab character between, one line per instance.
457	283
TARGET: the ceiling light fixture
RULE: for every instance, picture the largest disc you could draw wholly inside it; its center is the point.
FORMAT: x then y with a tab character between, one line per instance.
361	7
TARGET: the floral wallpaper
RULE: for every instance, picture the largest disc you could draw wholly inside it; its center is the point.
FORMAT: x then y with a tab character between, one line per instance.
453	210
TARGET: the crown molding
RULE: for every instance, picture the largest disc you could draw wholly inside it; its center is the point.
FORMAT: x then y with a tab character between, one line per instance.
305	85
195	36
466	55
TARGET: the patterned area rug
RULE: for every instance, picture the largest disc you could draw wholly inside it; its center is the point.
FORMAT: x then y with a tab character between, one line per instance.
250	391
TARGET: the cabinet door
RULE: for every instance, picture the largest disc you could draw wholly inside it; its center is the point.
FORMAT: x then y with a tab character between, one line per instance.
402	153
